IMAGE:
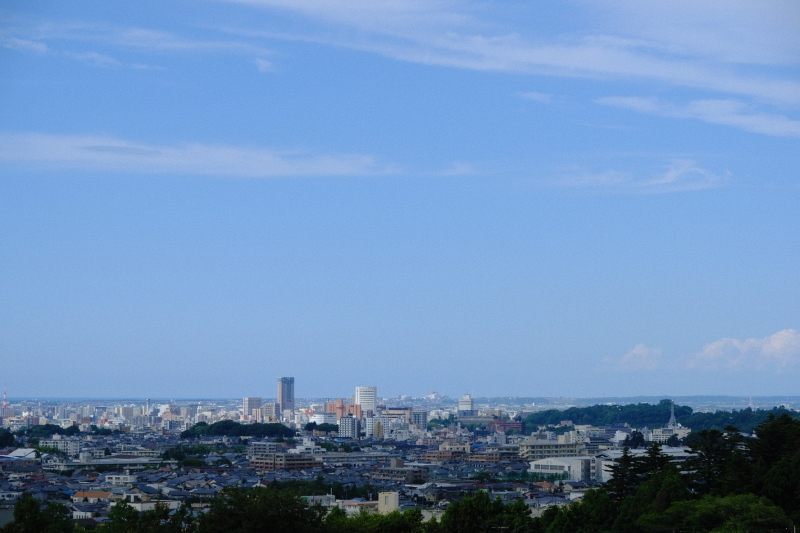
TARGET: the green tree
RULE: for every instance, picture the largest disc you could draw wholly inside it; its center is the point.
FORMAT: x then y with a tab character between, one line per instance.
31	517
337	521
631	471
409	521
737	513
595	514
777	437
125	519
122	518
781	484
6	438
478	514
651	499
713	451
41	431
192	462
231	428
260	509
624	478
651	463
51	450
634	440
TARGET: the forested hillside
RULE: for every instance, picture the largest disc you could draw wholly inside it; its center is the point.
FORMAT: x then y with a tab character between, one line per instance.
648	415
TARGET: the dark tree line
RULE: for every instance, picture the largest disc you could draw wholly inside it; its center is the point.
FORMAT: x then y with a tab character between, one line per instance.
268	509
229	428
45	431
327	428
649	415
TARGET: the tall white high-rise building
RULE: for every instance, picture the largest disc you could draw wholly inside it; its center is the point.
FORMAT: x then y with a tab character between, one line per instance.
466	407
367	398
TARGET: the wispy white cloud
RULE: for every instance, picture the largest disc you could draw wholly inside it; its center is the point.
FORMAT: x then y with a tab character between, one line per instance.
393	17
734	31
460	34
96	59
168	42
639	358
680	175
628	41
778	351
27	45
263	65
65	37
109	154
727	31
458	168
142	66
726	112
542	98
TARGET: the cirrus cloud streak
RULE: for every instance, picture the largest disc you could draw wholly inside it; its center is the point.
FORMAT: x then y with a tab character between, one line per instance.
111	154
724	112
680	175
465	35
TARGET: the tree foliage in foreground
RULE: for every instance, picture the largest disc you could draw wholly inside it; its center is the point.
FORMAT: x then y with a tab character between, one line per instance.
734	484
6	438
31	517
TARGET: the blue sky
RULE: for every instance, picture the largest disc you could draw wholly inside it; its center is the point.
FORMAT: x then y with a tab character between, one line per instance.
578	198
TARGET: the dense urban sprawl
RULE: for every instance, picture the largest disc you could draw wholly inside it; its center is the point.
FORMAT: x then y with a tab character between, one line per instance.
423	464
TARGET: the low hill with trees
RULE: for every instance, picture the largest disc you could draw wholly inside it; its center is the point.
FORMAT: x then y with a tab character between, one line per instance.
648	415
230	428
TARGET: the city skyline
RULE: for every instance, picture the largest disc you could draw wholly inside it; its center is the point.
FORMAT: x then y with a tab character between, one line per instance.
582	199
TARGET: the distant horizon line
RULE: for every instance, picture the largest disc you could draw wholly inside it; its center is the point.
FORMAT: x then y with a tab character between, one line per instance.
229	398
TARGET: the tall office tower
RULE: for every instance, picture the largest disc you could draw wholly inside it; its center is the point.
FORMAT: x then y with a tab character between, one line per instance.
249	404
367	398
286	394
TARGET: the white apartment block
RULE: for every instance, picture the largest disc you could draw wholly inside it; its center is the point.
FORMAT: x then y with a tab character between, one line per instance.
367	398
